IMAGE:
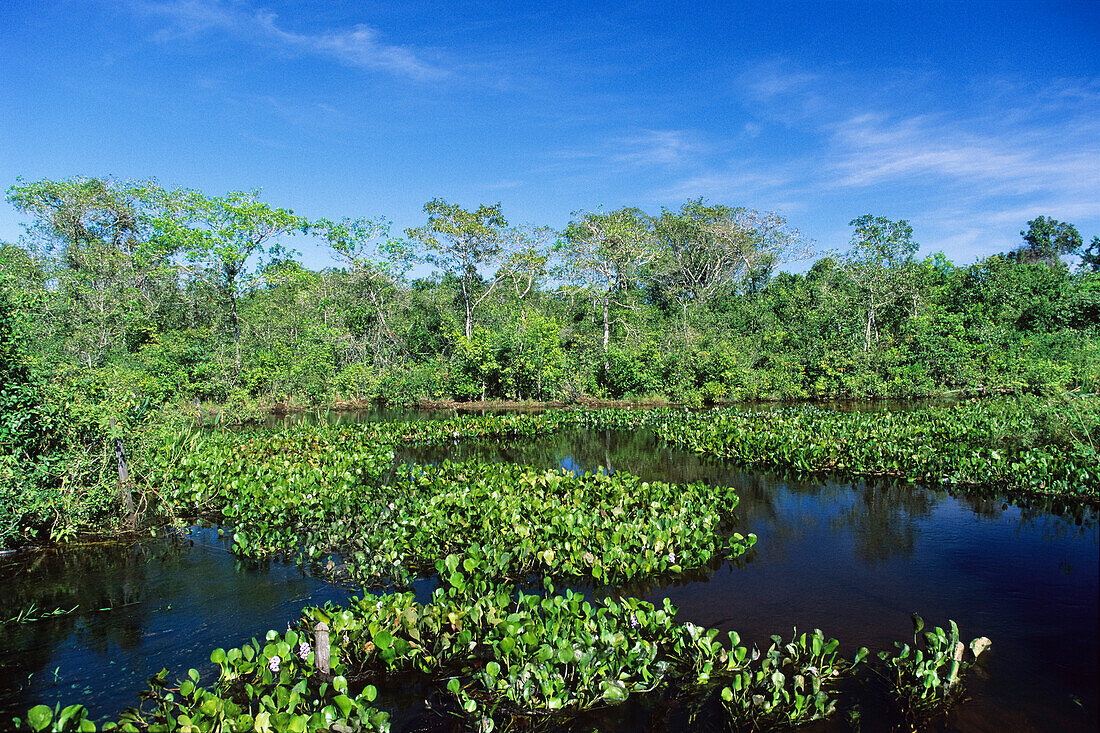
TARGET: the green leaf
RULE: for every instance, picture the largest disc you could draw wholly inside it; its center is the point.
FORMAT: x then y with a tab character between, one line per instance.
40	717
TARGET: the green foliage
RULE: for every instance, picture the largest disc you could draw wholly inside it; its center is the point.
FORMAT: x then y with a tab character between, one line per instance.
795	682
124	293
502	655
924	678
312	491
498	653
1046	240
1034	445
687	306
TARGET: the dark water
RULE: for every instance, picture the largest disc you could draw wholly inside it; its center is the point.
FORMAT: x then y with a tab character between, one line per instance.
857	560
853	560
141	607
382	413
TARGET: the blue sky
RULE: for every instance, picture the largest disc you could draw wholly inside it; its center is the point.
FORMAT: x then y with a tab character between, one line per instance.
966	118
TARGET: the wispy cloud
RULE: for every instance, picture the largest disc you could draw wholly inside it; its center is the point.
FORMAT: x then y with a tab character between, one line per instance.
970	170
755	184
873	148
655	147
359	46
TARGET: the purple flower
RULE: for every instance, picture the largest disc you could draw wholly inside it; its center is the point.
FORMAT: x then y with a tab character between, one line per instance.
303	650
634	622
273	665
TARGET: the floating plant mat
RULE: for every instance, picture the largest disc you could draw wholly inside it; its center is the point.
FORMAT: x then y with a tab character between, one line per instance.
481	526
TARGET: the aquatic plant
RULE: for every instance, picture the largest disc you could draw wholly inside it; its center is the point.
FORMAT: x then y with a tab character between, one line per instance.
1016	445
926	677
311	492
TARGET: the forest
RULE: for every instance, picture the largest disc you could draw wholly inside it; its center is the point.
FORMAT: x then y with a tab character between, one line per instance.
127	305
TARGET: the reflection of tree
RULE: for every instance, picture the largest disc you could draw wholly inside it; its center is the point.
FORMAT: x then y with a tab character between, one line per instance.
90	578
1060	517
883	521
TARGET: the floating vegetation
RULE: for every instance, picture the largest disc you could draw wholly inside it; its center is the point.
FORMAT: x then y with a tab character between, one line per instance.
297	494
500	655
497	641
1011	445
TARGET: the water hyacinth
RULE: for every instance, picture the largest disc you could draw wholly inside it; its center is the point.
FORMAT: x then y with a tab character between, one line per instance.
501	653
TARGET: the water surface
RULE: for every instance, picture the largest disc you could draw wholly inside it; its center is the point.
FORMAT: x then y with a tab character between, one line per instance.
854	559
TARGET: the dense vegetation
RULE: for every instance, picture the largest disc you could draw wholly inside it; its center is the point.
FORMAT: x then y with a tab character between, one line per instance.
1022	445
312	491
497	642
127	303
174	295
128	307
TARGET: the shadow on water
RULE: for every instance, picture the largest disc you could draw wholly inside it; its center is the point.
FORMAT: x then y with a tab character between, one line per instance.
854	559
386	413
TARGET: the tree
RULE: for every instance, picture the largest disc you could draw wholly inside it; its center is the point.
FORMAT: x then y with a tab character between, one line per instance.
376	263
607	252
527	258
221	233
1046	240
461	243
878	261
709	250
1090	256
95	238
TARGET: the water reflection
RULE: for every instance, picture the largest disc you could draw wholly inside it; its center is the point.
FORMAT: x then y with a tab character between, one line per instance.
851	559
137	608
856	559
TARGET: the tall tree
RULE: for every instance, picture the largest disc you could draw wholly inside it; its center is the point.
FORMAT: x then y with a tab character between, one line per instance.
608	252
95	237
376	263
1090	256
525	264
462	243
881	251
1046	240
709	250
221	233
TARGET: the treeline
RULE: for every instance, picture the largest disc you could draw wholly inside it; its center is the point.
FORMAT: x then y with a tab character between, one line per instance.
130	289
125	303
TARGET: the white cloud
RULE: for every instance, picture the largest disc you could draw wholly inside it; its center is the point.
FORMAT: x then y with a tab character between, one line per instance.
359	46
655	147
1027	160
969	168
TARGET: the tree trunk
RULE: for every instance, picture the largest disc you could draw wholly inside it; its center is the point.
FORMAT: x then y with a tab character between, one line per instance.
124	486
469	311
870	323
606	332
236	329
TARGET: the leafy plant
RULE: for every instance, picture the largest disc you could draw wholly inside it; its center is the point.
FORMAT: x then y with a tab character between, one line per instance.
926	677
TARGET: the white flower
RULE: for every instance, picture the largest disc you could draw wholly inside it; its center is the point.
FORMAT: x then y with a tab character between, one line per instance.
303	650
273	665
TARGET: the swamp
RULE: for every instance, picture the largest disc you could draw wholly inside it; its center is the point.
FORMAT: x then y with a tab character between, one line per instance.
579	570
406	367
859	497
